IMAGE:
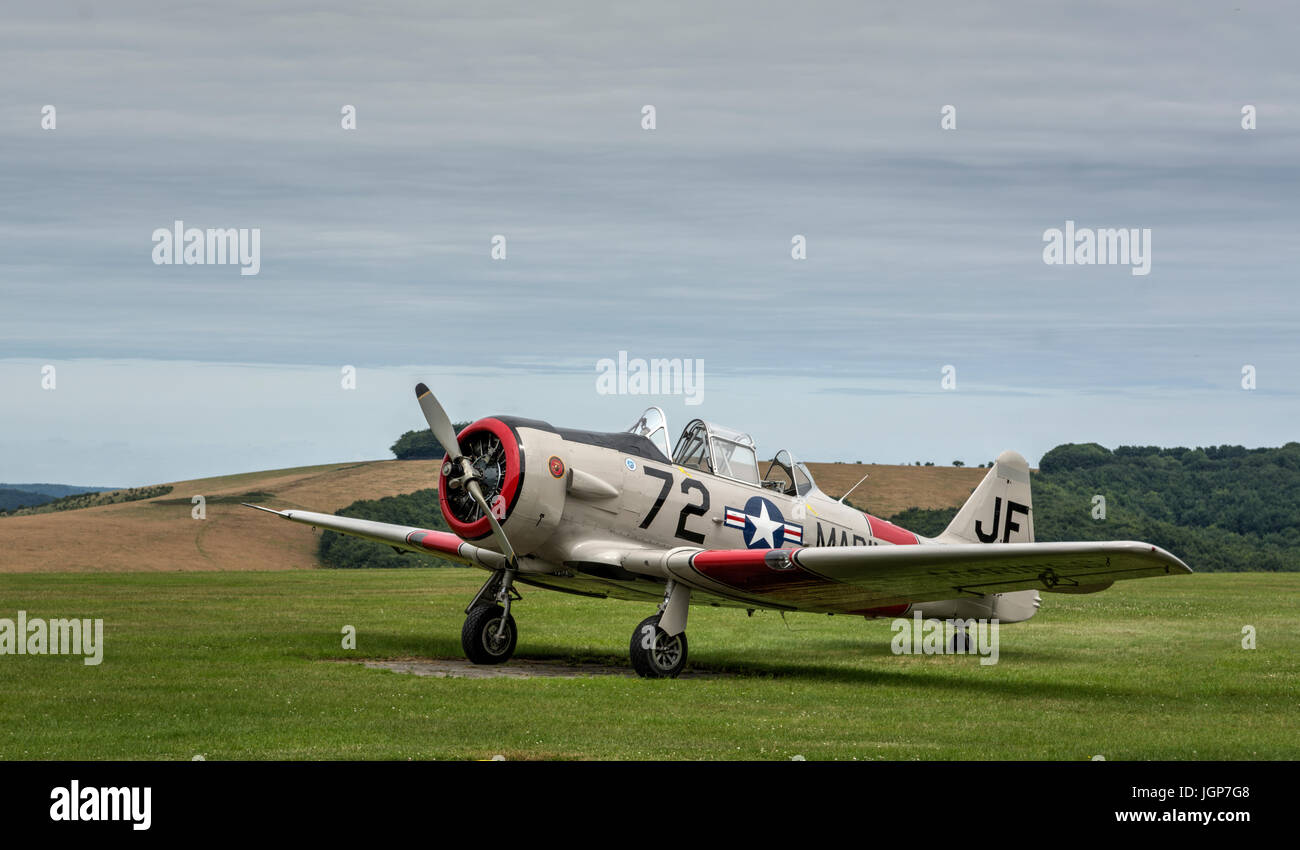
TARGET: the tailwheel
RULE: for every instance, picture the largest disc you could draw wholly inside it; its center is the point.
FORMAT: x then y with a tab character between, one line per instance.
489	635
655	655
960	643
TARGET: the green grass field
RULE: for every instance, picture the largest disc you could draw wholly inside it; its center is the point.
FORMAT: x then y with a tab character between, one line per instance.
238	666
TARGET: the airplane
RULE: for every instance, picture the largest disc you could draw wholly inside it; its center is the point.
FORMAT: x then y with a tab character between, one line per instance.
620	515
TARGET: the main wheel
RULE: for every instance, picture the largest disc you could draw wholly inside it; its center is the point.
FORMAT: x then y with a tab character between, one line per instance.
479	637
960	643
655	655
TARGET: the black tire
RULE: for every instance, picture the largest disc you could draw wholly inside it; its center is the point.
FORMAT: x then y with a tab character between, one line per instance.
478	637
654	654
960	643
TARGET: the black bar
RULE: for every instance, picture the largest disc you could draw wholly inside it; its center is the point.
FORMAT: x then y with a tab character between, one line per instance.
1002	801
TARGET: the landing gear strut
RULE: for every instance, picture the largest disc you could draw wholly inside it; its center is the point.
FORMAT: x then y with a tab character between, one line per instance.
489	634
658	646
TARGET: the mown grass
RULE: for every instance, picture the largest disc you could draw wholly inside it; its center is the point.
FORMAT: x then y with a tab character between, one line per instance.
238	666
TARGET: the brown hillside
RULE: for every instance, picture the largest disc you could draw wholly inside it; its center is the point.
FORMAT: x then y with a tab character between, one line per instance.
159	534
891	488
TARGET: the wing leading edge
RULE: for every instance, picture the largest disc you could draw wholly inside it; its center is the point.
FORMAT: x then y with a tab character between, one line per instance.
404	537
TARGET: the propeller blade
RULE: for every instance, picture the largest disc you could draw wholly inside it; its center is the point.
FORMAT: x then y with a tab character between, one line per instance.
497	530
438	420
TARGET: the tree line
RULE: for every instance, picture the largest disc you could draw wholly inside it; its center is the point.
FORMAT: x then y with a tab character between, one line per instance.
1219	508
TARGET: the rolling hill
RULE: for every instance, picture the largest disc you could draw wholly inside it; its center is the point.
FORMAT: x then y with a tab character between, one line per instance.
1222	508
159	534
14	496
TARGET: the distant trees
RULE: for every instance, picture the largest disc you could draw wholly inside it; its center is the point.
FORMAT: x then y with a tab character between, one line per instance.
926	522
1076	456
12	500
422	445
1219	508
419	509
91	500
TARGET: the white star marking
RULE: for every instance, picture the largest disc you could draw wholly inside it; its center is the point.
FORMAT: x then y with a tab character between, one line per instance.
764	528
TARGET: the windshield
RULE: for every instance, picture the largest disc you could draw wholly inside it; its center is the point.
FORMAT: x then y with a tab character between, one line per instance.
693	448
734	460
653	425
786	475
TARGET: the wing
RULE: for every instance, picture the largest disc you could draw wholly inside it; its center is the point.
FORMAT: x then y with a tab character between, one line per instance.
857	578
404	537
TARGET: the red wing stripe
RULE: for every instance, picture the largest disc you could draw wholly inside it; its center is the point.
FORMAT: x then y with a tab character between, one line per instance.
436	541
732	557
755	570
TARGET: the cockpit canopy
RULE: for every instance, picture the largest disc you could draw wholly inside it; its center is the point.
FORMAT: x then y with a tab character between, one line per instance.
719	450
722	451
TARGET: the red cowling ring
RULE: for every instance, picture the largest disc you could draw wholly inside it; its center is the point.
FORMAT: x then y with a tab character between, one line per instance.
514	457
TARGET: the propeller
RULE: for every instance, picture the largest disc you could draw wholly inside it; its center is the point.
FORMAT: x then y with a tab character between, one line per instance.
440	424
438	420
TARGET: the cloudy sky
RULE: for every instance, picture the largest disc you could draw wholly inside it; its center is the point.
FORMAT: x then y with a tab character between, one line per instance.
924	245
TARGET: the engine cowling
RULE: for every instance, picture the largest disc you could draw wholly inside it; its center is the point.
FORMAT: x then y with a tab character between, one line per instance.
523	482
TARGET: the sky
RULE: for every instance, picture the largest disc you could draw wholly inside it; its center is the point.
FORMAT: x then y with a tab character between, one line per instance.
924	245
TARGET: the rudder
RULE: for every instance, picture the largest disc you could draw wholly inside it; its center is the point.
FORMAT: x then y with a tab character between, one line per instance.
1000	510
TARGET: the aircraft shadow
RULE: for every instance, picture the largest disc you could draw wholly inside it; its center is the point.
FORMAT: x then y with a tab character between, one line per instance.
937	678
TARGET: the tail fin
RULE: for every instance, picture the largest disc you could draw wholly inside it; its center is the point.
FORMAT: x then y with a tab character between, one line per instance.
1000	510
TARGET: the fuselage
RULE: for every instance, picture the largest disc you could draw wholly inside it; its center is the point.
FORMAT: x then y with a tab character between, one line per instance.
580	502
